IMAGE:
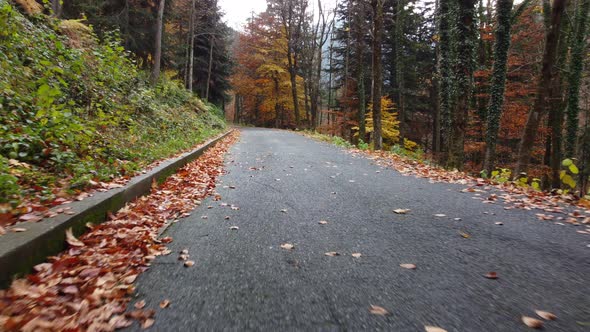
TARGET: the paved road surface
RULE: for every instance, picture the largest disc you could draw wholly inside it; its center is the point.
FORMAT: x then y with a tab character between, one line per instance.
243	280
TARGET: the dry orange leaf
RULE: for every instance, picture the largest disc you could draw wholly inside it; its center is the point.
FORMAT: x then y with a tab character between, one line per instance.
377	310
189	263
72	240
18	229
401	211
356	255
545	315
408	266
165	304
532	322
491	275
332	253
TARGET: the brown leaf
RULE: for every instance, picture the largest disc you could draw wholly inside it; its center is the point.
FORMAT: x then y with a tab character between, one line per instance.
332	254
139	304
430	328
464	235
189	263
532	322
184	251
401	211
322	222
147	323
287	246
31	217
377	310
545	315
491	275
408	266
18	229
72	240
165	304
356	255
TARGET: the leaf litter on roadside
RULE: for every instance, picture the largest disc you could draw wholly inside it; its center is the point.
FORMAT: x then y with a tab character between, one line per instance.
377	310
88	286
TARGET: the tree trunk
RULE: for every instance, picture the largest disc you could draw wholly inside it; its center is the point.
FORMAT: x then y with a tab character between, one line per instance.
293	76
377	72
208	84
399	68
544	87
446	96
360	81
158	43
191	46
498	81
575	73
56	8
464	70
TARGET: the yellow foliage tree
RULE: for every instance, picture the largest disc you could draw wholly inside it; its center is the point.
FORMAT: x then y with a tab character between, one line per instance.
389	122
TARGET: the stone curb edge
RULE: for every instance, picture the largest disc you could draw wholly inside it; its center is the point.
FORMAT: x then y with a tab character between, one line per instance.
20	252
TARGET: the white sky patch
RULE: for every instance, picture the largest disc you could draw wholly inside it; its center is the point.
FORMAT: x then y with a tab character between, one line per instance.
238	11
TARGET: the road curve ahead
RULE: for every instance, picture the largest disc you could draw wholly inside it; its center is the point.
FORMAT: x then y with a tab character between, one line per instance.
284	184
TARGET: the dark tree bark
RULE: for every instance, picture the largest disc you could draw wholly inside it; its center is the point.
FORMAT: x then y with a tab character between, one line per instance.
377	72
544	86
360	79
158	43
498	81
445	73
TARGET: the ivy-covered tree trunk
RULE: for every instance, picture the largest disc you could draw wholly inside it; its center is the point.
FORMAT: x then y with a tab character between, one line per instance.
544	87
466	40
498	84
575	74
158	43
377	72
445	74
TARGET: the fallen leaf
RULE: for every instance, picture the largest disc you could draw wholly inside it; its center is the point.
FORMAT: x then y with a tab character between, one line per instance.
430	328
464	235
30	217
189	263
499	223
184	251
532	322
284	210
491	275
332	254
401	211
18	229
323	222
377	310
408	266
147	323
545	315
165	304
227	217
440	215
356	255
234	228
72	240
287	246
183	257
139	304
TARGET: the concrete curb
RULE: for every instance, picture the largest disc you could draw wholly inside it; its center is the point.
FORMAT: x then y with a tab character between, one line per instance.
19	252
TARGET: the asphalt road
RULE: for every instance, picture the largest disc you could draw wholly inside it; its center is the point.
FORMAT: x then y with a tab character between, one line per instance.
243	280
